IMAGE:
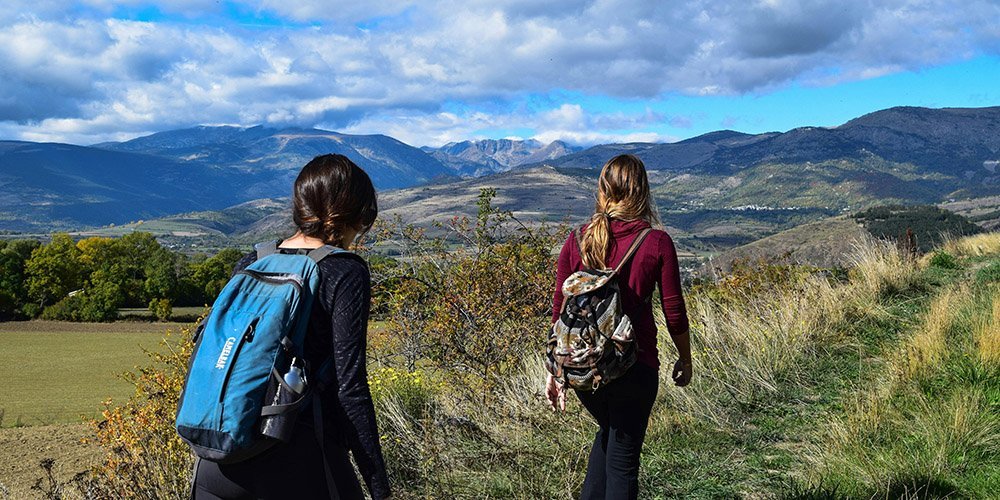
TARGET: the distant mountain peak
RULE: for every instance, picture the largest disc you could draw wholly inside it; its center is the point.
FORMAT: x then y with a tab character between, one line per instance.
477	157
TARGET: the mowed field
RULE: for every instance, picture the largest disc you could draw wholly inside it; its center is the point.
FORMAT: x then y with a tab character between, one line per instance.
56	374
59	372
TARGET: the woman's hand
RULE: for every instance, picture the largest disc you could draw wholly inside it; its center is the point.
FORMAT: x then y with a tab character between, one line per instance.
555	393
682	372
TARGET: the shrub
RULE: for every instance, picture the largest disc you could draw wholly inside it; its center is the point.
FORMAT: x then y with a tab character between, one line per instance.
474	310
411	389
161	309
98	302
143	456
32	310
64	310
944	260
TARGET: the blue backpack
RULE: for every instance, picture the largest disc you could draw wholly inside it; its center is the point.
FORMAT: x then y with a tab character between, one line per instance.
247	378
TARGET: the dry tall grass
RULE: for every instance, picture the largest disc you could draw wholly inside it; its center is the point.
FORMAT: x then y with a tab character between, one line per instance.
741	351
878	267
440	444
745	349
926	349
987	334
974	246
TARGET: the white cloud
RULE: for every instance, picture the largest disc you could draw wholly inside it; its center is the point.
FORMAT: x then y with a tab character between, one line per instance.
72	72
338	11
569	123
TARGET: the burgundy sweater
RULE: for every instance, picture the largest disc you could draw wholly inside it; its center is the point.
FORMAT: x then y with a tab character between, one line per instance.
654	263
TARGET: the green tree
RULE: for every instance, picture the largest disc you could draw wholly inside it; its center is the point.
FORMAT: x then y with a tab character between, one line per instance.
142	269
99	300
97	253
212	274
53	271
160	271
13	292
133	255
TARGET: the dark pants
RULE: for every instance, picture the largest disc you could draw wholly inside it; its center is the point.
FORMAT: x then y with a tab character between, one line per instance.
293	470
622	410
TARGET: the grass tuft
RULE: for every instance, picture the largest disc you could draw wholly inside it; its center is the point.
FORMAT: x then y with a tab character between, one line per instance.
987	334
926	348
879	268
974	246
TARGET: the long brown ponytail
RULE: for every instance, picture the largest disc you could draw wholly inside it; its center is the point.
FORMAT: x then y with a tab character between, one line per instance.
622	193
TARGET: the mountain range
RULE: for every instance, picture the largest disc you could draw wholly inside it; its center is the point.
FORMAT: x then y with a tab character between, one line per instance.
766	181
50	186
948	140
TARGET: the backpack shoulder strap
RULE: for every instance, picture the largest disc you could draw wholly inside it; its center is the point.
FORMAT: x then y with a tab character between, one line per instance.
322	252
317	254
632	249
266	248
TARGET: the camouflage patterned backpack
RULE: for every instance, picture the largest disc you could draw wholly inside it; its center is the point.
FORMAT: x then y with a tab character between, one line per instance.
591	343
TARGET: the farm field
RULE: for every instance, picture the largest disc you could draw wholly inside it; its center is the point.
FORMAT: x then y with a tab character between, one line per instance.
59	372
178	315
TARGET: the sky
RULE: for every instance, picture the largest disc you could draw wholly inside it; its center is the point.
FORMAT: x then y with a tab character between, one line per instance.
432	72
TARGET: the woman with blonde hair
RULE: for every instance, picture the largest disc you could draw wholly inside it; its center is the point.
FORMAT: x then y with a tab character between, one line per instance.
624	211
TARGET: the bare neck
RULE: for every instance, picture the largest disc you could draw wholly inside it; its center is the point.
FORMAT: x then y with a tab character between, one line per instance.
299	240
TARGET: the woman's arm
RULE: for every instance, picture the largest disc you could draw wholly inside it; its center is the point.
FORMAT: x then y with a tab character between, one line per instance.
563	270
349	315
674	310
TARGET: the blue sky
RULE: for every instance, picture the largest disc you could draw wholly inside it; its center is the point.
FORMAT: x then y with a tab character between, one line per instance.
432	72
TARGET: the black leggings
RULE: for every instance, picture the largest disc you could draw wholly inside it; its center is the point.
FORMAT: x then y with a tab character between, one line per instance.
622	410
293	470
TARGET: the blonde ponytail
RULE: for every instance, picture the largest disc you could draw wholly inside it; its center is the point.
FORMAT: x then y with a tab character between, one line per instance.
622	193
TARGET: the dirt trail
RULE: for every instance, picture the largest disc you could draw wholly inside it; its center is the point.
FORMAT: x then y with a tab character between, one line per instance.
22	448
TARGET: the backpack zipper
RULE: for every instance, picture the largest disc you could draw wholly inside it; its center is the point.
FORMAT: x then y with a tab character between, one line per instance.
247	335
275	278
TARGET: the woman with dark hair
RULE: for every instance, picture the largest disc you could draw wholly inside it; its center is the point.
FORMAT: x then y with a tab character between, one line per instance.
624	210
333	203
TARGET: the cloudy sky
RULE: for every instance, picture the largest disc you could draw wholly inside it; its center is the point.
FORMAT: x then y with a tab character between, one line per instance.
430	72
